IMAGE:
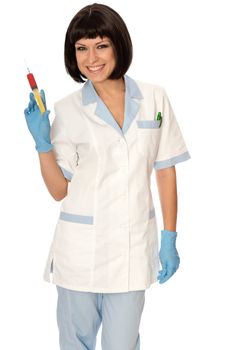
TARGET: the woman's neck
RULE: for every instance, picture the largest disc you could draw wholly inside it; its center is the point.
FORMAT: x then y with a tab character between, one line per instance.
110	87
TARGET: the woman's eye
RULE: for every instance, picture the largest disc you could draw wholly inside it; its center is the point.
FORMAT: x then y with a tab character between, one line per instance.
103	46
80	48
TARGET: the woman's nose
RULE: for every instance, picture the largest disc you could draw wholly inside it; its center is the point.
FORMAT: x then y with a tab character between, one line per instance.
92	57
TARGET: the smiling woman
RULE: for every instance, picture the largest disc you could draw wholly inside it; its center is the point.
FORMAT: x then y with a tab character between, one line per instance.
105	140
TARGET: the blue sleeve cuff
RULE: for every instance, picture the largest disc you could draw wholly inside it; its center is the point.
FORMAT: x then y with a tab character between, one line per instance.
172	161
66	174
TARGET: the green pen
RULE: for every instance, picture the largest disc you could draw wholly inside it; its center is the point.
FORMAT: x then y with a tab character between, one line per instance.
159	117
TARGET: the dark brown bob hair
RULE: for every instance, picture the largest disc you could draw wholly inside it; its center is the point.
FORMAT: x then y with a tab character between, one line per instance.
98	20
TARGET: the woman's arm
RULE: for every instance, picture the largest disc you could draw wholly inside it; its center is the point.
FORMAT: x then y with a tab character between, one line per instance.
39	127
53	177
167	188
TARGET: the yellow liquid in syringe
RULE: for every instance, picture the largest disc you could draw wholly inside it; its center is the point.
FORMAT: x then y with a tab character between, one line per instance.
39	100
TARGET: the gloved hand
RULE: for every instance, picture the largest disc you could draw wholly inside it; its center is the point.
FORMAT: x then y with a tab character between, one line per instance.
168	255
38	124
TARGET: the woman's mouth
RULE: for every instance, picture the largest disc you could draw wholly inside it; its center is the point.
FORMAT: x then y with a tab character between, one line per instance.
95	69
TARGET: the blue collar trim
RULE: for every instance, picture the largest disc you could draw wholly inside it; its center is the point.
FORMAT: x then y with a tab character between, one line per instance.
89	95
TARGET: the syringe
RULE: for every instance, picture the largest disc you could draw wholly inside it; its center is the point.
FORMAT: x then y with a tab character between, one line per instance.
35	91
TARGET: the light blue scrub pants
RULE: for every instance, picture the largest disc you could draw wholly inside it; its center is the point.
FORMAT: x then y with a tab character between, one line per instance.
79	316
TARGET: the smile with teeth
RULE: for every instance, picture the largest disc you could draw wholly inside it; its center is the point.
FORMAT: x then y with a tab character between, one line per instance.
96	68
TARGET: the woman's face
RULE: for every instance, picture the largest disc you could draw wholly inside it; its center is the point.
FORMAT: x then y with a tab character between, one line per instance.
95	58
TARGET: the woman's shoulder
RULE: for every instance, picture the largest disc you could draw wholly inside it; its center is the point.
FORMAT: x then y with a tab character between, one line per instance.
148	88
69	100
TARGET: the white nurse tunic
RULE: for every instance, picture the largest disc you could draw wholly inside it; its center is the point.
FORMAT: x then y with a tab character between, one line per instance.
106	235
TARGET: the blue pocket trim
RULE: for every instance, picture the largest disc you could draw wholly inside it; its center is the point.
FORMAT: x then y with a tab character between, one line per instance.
148	124
81	219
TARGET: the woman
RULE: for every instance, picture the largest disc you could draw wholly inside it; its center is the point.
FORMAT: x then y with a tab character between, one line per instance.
105	140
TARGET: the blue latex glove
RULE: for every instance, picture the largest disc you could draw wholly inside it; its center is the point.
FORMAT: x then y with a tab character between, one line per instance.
38	124
168	255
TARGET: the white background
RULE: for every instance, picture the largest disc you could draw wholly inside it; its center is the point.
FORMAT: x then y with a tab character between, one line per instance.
184	46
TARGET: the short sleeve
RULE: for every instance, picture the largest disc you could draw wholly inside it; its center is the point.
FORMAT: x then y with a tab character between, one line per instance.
172	148
65	151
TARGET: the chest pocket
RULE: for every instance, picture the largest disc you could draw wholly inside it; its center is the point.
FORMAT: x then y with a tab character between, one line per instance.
148	132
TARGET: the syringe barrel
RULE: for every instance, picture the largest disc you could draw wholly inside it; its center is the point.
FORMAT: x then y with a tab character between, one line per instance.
36	93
